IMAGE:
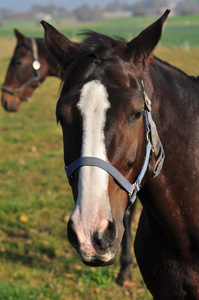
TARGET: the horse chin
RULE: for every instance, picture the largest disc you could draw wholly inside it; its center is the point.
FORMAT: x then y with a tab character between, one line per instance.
98	261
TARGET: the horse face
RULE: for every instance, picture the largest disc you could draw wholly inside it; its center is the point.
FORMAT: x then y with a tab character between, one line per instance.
101	110
107	123
20	71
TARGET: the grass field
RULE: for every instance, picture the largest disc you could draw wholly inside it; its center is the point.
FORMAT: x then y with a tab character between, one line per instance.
179	30
36	260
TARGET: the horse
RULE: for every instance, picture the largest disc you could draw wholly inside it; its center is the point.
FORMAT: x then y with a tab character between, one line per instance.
31	63
129	123
23	77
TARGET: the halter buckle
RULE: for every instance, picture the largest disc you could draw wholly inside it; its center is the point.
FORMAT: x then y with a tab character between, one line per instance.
136	188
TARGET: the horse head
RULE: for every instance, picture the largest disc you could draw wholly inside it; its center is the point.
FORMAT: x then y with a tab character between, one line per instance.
102	111
29	66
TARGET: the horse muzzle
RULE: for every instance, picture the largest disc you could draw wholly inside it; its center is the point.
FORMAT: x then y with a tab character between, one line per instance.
12	105
95	248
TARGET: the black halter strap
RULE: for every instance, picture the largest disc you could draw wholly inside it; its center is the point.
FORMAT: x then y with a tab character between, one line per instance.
35	78
153	143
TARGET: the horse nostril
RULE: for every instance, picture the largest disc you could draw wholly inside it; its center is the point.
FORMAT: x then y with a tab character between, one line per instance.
4	103
72	235
14	105
103	240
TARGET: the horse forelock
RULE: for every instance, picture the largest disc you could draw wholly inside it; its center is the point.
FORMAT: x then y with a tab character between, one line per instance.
95	46
98	44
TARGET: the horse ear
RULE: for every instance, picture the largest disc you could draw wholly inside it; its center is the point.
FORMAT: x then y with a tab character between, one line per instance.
20	37
59	45
141	48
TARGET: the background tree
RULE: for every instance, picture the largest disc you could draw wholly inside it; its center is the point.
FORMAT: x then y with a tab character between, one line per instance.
143	7
187	7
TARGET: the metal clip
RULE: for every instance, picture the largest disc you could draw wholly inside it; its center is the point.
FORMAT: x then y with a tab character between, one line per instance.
133	196
147	136
36	65
147	102
146	98
136	187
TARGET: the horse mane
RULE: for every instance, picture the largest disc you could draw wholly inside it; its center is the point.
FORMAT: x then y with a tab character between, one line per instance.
178	81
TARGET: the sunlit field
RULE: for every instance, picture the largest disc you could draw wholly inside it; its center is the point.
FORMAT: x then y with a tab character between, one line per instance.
36	260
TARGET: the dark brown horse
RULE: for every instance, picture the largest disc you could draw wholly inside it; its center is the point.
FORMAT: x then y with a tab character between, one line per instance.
31	63
22	79
118	106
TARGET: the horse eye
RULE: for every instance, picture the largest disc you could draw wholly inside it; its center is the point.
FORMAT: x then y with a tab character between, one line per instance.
18	62
136	116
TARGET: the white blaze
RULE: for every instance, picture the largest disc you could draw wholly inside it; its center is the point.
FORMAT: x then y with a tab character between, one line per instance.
93	105
92	211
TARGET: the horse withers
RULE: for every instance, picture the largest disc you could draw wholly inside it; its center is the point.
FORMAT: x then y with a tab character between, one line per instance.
130	127
31	63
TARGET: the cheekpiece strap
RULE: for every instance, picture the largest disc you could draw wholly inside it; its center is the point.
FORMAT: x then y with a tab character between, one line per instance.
154	136
36	64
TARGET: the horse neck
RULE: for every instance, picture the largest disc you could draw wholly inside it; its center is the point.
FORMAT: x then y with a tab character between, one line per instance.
174	97
49	63
175	110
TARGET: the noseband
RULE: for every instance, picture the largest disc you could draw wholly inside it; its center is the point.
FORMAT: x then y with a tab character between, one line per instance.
35	78
153	144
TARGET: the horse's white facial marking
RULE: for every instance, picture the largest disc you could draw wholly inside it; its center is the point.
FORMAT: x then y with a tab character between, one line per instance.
92	210
93	106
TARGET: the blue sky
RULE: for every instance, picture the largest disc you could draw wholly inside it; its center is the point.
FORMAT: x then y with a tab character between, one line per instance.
18	5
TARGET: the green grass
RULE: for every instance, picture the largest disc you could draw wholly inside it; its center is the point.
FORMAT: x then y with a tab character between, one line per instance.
36	260
178	30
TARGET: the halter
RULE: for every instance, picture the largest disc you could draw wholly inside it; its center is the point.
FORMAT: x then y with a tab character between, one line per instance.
153	144
35	78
